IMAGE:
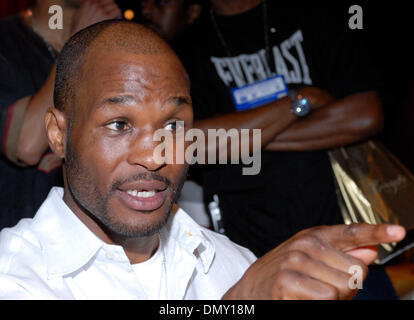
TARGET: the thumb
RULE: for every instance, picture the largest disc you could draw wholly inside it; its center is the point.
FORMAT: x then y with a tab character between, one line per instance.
367	254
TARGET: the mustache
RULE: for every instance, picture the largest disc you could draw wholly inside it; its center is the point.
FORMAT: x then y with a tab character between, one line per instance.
141	176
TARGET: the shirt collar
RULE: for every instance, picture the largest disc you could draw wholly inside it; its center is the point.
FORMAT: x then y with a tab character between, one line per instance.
191	237
68	244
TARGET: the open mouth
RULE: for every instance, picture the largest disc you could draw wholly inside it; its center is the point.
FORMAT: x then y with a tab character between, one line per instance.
142	194
145	196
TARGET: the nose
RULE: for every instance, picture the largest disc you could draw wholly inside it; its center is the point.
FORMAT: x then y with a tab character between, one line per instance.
142	152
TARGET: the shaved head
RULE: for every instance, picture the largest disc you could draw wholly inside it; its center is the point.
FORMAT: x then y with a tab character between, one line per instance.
106	36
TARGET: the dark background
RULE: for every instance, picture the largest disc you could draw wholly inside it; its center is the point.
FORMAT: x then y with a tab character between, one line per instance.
388	33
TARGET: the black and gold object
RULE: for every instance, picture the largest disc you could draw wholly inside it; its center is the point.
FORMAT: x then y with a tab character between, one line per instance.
374	187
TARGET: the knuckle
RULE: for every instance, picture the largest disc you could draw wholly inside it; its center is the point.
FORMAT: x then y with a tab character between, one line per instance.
351	230
281	284
296	257
342	284
321	245
307	241
330	293
284	277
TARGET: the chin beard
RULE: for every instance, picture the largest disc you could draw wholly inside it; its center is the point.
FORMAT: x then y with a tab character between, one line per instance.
120	230
99	210
139	231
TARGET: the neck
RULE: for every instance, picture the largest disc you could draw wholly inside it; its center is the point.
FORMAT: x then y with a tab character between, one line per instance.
233	7
41	16
137	249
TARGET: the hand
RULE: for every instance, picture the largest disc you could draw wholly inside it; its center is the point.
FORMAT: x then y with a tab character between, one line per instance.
94	11
314	264
317	97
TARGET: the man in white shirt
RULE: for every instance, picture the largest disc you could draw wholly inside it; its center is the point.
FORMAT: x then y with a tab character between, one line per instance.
113	232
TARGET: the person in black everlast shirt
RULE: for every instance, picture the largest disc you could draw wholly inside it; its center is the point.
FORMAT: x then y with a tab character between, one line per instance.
247	41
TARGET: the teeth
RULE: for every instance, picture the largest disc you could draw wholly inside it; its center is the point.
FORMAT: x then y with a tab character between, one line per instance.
132	192
141	194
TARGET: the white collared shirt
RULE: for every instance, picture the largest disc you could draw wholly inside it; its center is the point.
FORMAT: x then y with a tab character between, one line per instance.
55	256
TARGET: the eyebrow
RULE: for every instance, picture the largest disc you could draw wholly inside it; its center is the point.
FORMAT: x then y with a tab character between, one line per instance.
178	100
129	99
124	99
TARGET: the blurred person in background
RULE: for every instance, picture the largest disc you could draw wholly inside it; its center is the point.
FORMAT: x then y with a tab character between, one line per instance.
28	51
169	18
243	43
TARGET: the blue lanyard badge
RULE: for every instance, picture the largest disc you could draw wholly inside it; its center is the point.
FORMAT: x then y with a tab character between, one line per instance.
259	93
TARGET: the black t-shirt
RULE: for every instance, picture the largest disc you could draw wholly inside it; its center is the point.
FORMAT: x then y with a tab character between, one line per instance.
294	190
25	63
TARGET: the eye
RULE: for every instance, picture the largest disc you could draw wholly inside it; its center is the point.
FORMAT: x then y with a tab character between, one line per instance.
175	125
118	125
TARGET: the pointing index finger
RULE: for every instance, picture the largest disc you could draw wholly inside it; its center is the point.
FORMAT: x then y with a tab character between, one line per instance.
347	237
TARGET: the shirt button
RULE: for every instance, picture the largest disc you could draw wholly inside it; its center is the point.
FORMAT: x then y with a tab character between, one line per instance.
109	255
188	233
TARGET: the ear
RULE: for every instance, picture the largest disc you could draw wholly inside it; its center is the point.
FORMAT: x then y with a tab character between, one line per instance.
56	124
193	12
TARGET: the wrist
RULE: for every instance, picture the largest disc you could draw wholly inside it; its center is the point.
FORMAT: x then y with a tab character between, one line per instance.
299	104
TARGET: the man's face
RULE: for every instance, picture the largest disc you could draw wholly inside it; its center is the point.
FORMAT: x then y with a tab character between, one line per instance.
166	17
122	99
